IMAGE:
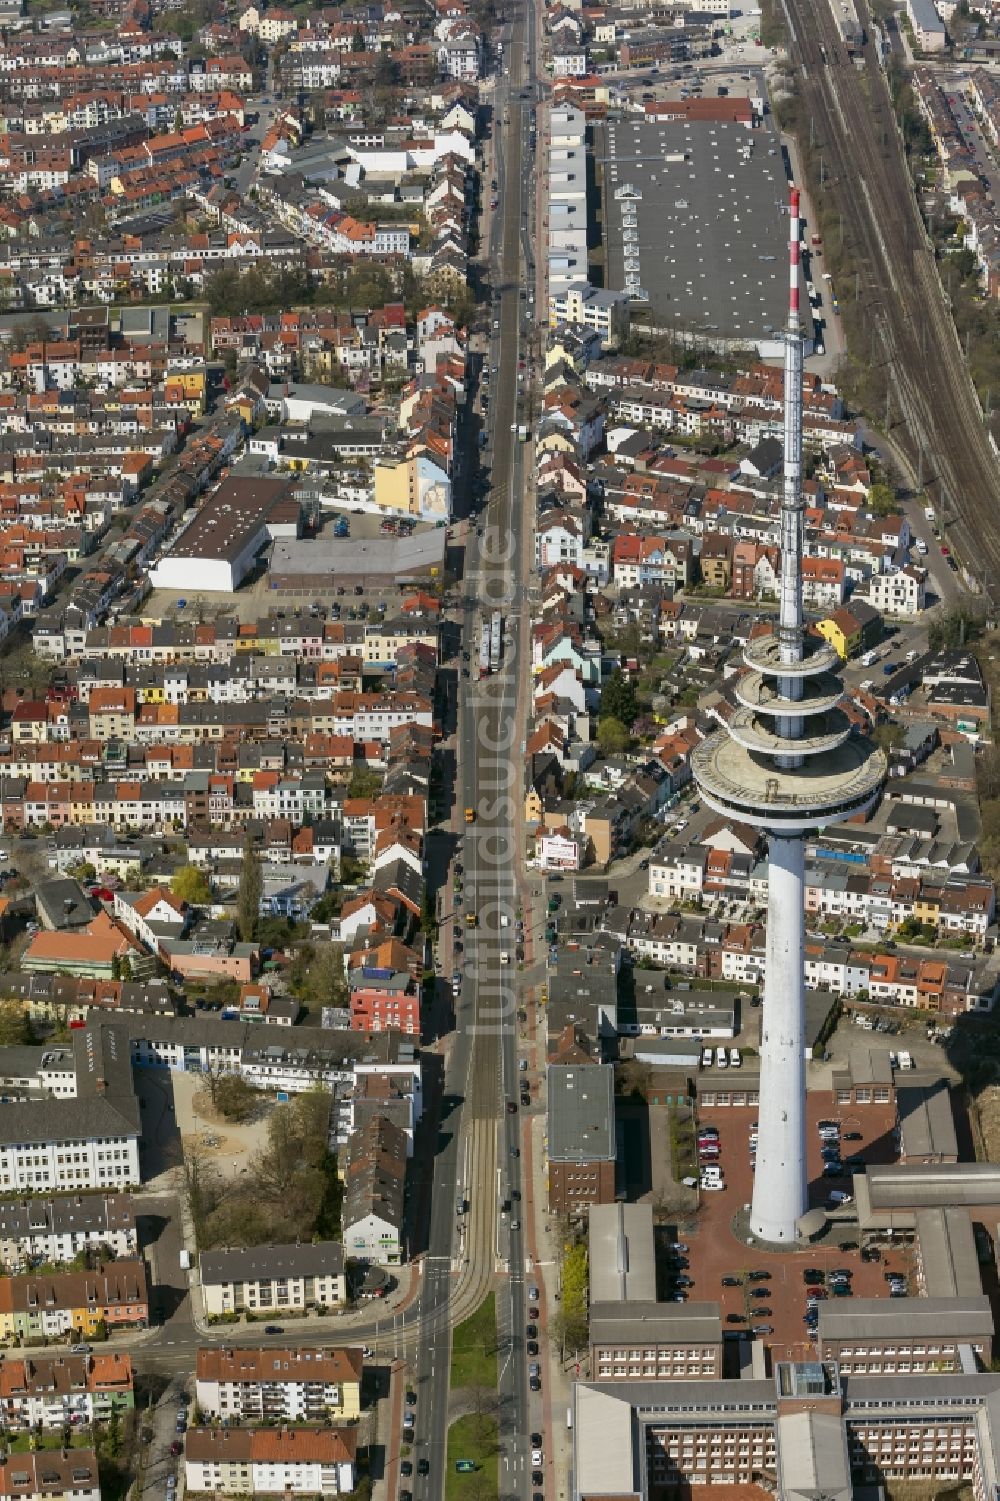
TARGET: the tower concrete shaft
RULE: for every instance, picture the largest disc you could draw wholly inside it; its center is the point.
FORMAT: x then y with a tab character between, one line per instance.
787	763
779	1189
780	1193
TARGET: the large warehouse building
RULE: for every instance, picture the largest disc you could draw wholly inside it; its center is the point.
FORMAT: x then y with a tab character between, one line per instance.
217	550
695	225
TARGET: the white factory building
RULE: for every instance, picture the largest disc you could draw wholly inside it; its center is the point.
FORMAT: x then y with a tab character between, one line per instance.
218	549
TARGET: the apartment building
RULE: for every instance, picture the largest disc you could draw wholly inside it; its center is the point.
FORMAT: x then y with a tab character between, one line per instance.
304	1385
41	1306
274	1279
269	1461
900	593
380	1001
51	1475
86	1144
57	1229
54	1391
88	1137
373	1209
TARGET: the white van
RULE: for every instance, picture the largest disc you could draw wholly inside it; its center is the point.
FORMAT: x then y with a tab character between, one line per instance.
735	1061
706	1057
721	1061
905	1061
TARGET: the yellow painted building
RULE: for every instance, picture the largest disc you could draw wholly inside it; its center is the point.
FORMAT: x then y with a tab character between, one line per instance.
927	908
843	633
413	486
188	387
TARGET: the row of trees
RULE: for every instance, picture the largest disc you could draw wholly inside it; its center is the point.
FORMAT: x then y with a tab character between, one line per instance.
232	293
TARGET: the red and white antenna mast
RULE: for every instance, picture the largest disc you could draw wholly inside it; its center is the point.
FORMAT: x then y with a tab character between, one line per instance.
790	619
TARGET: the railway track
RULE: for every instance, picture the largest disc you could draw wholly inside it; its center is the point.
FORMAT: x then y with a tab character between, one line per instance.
937	420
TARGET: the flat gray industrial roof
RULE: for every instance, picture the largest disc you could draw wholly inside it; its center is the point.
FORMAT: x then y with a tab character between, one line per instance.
926	1120
813	1458
621	1254
905	1318
709	244
341	555
581	1112
936	1183
948	1257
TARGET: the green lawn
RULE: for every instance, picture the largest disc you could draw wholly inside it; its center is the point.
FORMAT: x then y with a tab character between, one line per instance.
474	1348
473	1437
23	1443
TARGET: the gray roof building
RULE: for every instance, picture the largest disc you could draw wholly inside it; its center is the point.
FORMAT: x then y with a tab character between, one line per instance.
67	1120
877	1320
639	1324
78	1214
813	1457
901	1186
946	1252
926	1121
693	211
621	1254
581	1113
63	903
324	1258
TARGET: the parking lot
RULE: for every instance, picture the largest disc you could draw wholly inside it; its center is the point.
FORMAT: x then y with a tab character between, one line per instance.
716	1251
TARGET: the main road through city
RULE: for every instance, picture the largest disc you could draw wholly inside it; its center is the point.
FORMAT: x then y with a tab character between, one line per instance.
481	1159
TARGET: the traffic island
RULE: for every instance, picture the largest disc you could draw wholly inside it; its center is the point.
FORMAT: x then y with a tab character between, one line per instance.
472	1465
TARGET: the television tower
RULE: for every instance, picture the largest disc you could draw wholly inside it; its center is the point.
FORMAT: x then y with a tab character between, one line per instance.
787	763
